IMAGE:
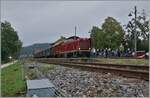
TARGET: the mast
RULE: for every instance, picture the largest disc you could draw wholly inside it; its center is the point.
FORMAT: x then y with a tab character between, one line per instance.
75	32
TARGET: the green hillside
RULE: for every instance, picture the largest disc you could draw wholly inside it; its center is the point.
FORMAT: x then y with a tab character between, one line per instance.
29	50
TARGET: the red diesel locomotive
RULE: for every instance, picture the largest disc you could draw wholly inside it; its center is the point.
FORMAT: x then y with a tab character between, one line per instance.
72	47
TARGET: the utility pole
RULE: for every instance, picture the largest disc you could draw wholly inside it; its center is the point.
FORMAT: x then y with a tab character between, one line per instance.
75	31
135	33
75	54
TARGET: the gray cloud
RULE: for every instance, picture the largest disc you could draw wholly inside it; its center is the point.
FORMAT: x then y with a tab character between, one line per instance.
46	21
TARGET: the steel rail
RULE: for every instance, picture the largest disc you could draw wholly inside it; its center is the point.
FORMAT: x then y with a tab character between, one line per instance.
124	70
141	67
129	66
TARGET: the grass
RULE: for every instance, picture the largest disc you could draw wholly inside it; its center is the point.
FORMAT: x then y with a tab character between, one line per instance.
124	61
31	74
12	83
46	67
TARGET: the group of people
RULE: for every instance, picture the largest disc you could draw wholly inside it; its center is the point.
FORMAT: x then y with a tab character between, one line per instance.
107	52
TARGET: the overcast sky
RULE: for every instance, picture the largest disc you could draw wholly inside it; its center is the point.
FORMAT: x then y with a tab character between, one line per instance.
45	21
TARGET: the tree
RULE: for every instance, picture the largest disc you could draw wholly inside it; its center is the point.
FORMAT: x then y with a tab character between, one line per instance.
143	25
97	36
142	32
110	36
114	32
11	44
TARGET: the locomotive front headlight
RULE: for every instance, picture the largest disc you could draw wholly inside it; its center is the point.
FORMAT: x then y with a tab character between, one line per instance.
89	48
79	48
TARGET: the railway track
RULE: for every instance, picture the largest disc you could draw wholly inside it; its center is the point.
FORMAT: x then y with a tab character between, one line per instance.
137	67
133	71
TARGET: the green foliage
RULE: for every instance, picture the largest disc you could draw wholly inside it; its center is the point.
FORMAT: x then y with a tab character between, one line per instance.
142	30
11	80
110	36
143	45
114	32
98	36
11	44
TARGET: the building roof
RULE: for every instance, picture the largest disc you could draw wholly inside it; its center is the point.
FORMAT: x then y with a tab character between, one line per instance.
37	84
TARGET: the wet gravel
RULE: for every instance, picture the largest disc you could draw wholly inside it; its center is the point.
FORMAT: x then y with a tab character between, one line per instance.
78	83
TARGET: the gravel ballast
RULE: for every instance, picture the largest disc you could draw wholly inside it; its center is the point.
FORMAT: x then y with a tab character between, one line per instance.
78	83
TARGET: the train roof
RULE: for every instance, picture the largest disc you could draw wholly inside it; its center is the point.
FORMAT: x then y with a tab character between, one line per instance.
72	37
60	40
76	37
